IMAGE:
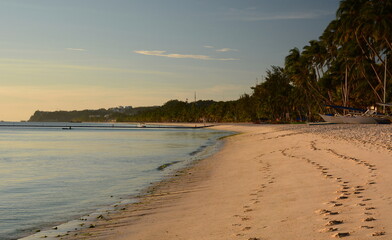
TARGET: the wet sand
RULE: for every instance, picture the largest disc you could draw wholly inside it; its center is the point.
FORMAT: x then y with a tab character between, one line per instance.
270	182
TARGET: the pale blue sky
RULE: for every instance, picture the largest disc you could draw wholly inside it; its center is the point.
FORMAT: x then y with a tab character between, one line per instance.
87	54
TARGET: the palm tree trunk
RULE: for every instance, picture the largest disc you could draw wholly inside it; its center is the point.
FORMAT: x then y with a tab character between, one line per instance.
376	53
388	43
370	84
367	57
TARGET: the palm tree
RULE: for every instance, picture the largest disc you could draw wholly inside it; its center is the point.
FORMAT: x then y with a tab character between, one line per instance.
368	24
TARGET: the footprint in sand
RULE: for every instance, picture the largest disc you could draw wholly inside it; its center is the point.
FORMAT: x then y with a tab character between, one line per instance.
322	211
332	213
341	234
378	234
367	227
329	229
326	212
334	222
341	191
341	197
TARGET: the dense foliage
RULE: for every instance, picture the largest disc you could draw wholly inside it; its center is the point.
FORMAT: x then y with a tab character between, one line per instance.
172	111
356	47
200	111
100	115
347	66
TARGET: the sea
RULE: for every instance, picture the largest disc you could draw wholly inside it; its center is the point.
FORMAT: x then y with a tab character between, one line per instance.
55	177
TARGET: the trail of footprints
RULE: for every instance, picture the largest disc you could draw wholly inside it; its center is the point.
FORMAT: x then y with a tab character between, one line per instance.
280	136
245	217
346	191
350	196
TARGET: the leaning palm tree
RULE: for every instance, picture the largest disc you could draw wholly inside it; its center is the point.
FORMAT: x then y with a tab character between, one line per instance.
367	24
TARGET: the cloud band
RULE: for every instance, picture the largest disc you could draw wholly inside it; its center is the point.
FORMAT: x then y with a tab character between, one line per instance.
175	55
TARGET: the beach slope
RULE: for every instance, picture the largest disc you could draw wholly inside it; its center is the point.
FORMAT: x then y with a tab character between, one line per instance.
270	182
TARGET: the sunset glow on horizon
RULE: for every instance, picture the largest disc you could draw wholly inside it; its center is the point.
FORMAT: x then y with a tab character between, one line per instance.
90	54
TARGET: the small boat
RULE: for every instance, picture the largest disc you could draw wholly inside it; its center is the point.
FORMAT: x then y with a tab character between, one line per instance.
358	116
370	116
141	125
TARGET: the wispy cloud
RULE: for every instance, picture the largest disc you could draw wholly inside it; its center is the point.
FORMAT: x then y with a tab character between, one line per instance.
252	15
207	46
176	55
76	49
226	50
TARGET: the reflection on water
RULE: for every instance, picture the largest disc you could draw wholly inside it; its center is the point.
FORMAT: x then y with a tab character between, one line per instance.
48	176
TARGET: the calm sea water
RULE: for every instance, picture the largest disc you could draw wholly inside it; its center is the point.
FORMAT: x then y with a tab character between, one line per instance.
49	176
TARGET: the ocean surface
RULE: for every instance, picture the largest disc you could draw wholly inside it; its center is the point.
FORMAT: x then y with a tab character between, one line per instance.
50	176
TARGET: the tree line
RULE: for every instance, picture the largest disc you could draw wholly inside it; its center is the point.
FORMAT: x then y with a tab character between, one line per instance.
347	65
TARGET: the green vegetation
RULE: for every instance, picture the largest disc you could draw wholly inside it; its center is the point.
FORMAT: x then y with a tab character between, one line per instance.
100	115
356	45
172	111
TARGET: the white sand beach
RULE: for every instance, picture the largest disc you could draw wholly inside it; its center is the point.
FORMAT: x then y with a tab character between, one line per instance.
270	182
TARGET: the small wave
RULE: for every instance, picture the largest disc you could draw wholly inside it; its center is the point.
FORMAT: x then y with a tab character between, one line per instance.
200	149
166	165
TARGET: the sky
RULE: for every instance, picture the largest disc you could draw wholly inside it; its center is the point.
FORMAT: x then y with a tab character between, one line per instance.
90	54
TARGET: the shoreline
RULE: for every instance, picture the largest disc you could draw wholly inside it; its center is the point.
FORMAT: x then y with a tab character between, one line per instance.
89	220
162	188
221	197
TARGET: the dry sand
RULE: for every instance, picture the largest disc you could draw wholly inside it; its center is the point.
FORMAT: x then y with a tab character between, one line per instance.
271	182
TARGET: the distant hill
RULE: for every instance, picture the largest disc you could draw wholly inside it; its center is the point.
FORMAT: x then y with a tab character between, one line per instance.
100	115
241	110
